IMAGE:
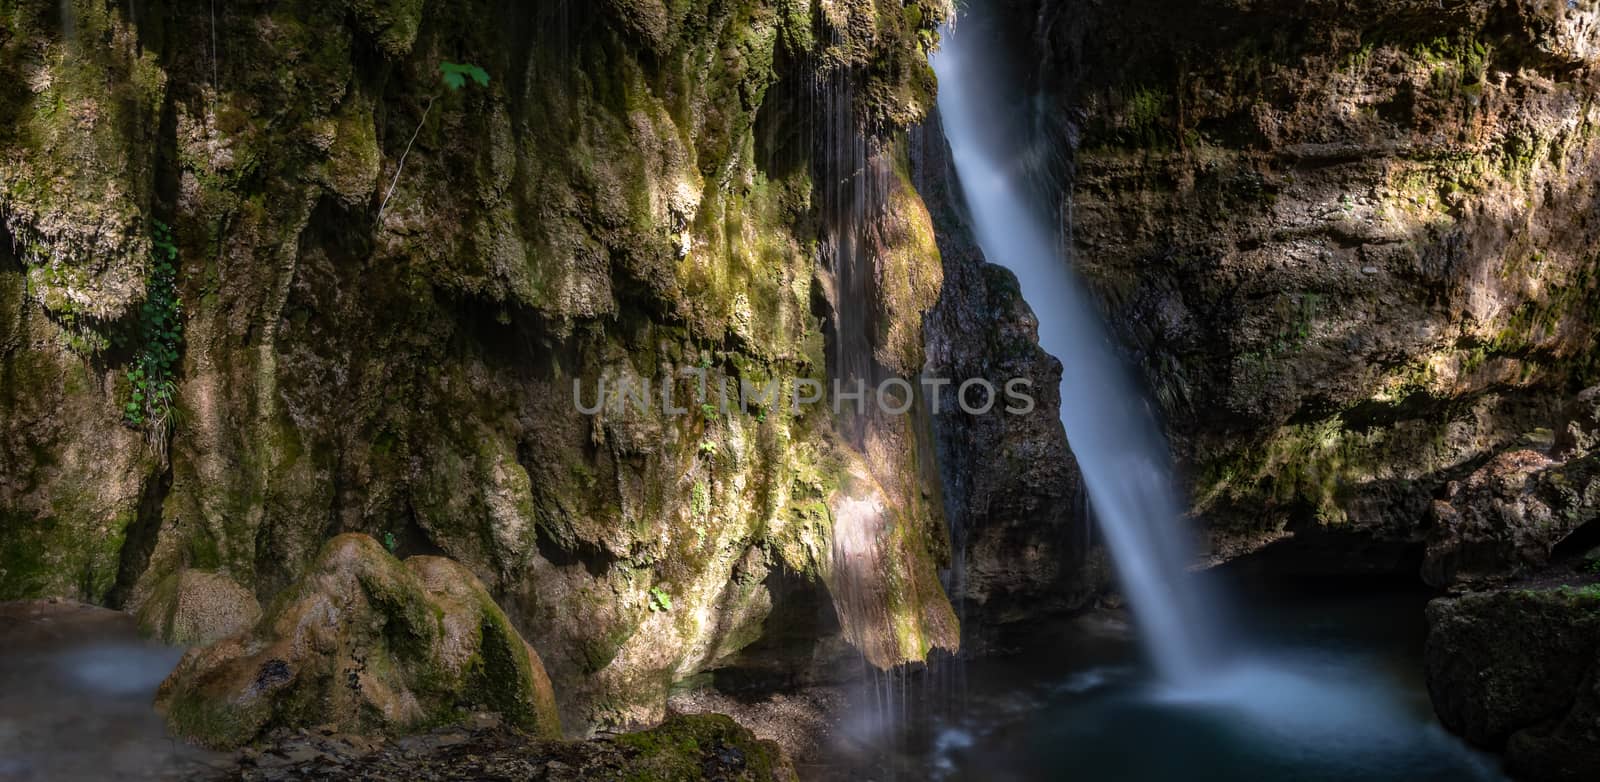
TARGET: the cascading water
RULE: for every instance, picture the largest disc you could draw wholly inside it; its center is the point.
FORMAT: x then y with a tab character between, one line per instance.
1120	449
1271	713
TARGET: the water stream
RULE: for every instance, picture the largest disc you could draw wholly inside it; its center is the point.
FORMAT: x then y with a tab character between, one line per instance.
1333	693
1120	449
76	684
1204	709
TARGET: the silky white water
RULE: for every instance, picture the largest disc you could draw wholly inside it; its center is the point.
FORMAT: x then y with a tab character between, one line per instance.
1118	444
1323	716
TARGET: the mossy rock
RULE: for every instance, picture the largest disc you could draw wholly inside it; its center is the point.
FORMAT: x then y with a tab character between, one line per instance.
703	747
197	607
369	645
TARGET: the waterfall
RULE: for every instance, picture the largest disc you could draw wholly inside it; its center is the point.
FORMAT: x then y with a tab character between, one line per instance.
1119	446
69	22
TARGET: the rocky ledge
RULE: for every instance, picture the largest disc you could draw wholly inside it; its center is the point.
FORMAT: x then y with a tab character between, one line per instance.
685	747
1518	671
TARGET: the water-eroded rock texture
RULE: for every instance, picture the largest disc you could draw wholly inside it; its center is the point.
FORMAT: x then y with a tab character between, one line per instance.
401	233
1352	247
276	273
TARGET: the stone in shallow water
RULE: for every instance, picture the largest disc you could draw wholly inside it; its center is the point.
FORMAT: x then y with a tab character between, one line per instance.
1519	671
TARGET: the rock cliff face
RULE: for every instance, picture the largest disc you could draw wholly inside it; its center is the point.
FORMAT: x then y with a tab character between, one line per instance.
1013	496
1351	246
277	271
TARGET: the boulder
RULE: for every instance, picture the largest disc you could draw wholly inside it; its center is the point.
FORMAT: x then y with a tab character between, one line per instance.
1518	671
368	645
1509	515
196	608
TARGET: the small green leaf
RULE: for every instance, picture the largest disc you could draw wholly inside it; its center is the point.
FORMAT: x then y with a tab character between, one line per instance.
455	74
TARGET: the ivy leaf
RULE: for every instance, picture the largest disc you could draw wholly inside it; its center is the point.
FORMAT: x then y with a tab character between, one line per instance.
455	74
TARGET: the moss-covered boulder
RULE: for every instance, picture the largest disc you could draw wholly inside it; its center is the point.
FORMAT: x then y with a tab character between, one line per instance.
197	607
1518	671
703	746
368	644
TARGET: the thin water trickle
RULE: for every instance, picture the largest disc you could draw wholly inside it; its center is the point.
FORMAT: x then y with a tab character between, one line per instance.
69	21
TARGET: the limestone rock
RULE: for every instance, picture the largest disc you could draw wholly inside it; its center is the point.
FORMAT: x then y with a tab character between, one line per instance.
196	608
1509	516
1012	490
1352	267
623	198
369	645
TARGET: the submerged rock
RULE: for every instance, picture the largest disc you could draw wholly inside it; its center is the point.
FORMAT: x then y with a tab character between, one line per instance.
1519	671
366	644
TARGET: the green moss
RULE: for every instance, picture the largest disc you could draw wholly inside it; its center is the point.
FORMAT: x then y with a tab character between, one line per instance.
218	722
685	746
393	23
598	649
1454	61
411	625
24	570
503	678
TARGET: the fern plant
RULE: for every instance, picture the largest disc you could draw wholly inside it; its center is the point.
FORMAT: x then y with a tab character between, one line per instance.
455	76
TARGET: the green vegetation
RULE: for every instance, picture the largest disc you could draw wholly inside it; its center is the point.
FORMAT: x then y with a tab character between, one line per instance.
700	500
160	336
455	76
660	600
698	746
1454	62
1144	123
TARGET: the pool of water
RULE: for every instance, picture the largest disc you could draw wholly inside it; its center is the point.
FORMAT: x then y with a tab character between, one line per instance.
76	686
1328	690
